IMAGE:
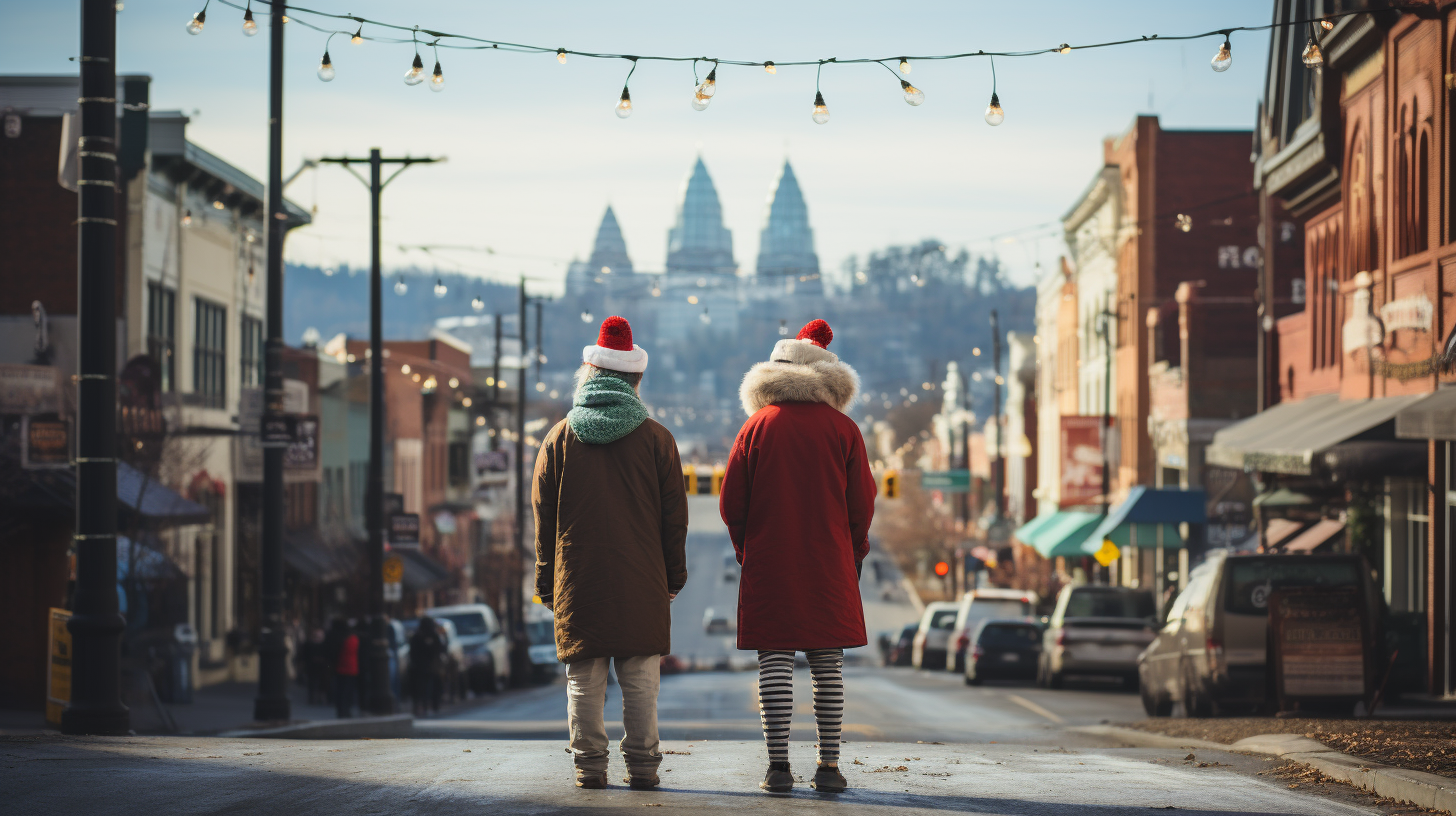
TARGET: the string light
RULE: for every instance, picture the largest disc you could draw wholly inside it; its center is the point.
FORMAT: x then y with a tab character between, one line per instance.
820	114
994	114
586	317
437	80
358	38
250	28
326	66
703	93
1312	56
187	218
770	67
561	55
904	66
400	287
705	317
624	104
440	289
1327	25
1224	58
194	26
477	303
1064	49
416	74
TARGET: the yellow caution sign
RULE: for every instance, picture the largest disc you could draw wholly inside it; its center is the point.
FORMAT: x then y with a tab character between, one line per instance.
890	484
393	569
690	479
58	668
716	485
1107	553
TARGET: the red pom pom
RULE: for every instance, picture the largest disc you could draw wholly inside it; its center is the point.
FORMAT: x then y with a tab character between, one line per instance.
616	334
817	332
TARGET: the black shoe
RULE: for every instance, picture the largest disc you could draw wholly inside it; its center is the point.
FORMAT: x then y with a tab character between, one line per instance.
828	780
642	783
592	781
778	779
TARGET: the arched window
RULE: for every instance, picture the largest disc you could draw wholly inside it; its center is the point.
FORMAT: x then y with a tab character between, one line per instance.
1422	187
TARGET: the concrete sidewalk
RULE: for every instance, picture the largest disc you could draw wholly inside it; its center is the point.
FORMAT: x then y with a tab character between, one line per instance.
150	775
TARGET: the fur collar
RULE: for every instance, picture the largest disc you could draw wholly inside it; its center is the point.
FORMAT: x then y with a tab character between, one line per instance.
832	383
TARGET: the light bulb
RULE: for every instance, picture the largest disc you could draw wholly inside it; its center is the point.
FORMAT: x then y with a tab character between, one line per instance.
783	329
700	100
1064	49
440	289
994	114
400	287
358	37
586	317
705	317
218	205
326	69
249	27
821	110
329	271
1224	58
477	303
904	66
624	105
437	80
1312	56
770	67
1327	25
710	85
194	26
416	74
913	95
187	219
561	55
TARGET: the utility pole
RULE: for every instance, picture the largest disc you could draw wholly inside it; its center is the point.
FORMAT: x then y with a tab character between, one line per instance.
96	626
272	701
377	697
518	601
999	472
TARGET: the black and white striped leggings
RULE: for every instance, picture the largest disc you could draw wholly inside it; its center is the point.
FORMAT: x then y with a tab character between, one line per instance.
776	700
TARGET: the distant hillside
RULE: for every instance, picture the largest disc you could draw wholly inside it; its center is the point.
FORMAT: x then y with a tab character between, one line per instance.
340	302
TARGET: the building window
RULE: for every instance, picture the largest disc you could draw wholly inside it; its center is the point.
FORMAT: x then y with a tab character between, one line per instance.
1296	291
1418	525
252	373
162	333
209	354
459	464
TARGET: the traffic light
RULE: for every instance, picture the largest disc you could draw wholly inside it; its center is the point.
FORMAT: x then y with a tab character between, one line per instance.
690	479
716	485
942	569
890	484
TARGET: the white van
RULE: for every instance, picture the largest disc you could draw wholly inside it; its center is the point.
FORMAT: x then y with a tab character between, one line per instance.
487	647
981	605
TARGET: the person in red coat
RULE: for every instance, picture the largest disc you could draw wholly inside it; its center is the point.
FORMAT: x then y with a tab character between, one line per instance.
798	497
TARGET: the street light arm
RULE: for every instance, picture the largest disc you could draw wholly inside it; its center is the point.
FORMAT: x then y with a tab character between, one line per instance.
308	164
404	165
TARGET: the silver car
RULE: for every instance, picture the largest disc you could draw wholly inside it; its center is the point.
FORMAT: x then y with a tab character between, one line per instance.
1097	630
486	646
931	639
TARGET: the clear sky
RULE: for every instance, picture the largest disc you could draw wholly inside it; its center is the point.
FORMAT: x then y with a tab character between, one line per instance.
535	152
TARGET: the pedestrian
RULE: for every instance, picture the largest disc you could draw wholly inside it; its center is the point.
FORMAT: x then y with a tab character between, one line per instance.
346	668
611	525
320	675
798	497
426	649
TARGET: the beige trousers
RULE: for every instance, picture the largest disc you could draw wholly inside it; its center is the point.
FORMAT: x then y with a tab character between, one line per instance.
586	700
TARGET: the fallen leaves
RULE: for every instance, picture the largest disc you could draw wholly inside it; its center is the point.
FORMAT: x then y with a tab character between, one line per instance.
888	769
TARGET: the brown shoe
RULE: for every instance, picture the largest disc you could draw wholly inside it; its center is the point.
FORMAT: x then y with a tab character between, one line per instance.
592	781
778	779
642	783
828	779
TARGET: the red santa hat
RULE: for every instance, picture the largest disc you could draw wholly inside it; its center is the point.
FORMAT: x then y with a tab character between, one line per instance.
614	349
810	346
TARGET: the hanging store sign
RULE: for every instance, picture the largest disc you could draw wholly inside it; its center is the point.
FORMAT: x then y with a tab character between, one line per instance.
29	389
47	444
1414	312
1081	475
303	447
1319	645
404	530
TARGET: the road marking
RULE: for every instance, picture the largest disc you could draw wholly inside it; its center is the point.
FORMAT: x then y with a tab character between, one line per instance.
1034	708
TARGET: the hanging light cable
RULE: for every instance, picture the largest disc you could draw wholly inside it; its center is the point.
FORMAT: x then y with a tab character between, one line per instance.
250	28
624	104
194	26
437	79
913	95
1224	57
326	66
821	110
994	114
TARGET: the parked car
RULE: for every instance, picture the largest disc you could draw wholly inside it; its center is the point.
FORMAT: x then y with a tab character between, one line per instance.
452	674
1212	651
487	650
983	604
730	565
1003	649
1096	630
932	635
545	661
716	623
900	650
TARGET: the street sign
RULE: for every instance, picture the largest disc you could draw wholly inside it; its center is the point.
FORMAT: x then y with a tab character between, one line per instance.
393	569
1107	553
276	430
404	530
47	443
946	481
393	503
58	666
303	446
393	591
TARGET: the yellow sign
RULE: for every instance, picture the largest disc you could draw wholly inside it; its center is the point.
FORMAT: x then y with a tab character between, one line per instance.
690	479
716	485
890	484
393	569
1107	553
58	670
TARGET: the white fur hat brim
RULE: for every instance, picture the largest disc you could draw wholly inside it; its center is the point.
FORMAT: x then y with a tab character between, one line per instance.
792	350
632	362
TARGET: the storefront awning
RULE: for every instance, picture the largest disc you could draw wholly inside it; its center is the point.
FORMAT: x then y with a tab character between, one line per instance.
316	560
1026	533
155	502
1063	533
1283	497
421	572
1281	530
1149	519
1432	418
1288	437
1313	538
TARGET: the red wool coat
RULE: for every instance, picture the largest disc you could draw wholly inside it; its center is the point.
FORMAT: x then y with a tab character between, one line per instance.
798	497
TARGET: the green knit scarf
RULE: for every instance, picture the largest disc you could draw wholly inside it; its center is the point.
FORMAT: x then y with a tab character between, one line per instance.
606	409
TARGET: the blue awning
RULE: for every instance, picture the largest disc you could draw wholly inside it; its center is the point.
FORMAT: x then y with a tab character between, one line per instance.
1064	533
1148	519
155	502
1026	533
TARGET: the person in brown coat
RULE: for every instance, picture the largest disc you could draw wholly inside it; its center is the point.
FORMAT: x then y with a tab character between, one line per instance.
611	528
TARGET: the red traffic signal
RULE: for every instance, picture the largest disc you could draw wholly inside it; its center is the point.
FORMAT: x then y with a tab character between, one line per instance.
942	569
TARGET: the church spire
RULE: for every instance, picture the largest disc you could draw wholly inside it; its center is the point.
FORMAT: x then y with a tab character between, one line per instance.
786	244
698	242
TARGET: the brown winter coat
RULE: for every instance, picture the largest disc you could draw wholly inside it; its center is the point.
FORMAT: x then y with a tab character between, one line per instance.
611	525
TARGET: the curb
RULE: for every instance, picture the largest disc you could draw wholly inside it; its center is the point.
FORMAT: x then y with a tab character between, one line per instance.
390	727
1413	787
